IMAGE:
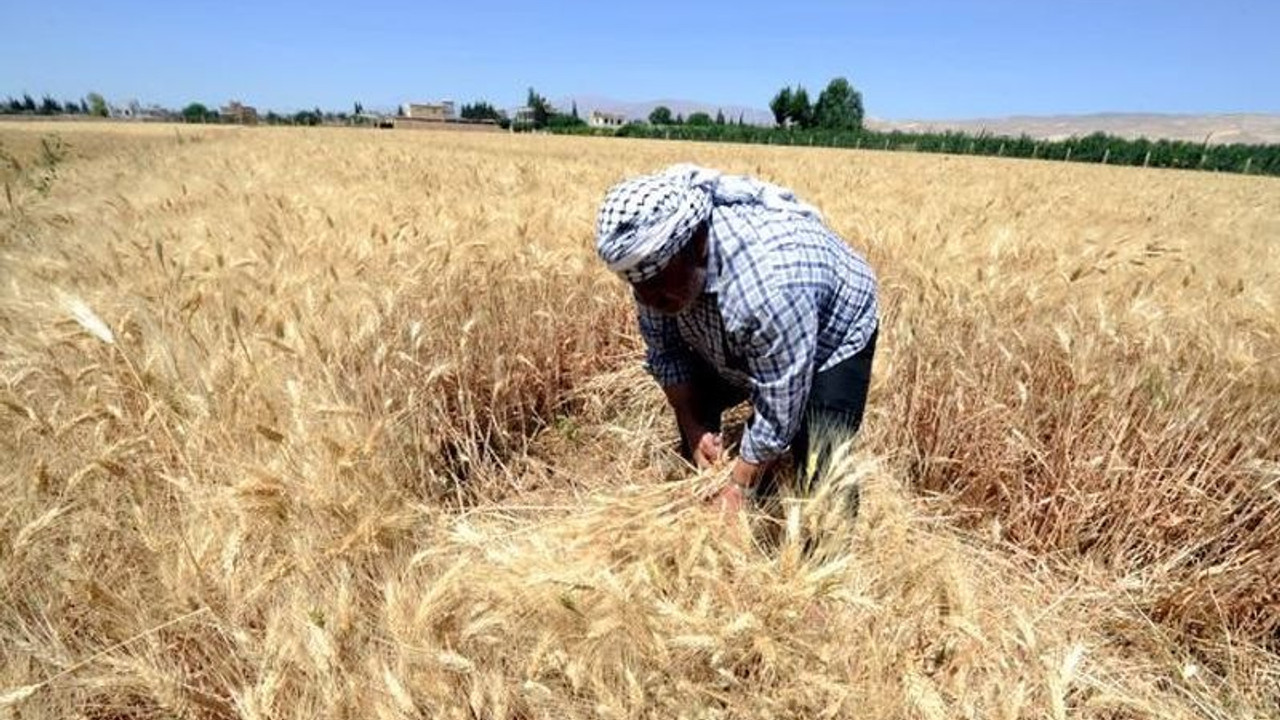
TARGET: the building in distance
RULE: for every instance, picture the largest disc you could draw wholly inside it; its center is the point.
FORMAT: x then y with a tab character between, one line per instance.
600	119
441	115
238	113
442	111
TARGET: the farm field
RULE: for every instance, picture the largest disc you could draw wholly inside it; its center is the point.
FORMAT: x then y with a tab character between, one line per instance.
340	423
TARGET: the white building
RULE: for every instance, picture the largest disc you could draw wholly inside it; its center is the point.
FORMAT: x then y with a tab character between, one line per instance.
606	120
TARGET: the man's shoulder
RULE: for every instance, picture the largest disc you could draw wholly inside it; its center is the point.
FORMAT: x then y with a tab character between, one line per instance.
751	284
753	222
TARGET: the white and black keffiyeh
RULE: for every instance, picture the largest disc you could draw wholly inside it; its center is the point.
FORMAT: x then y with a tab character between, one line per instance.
645	221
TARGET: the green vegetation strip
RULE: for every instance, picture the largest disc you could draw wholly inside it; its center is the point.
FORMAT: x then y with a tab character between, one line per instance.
1095	148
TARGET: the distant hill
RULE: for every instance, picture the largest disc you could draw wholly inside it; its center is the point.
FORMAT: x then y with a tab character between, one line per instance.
1219	129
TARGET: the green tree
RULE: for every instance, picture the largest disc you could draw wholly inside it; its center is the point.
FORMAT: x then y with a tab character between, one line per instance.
781	106
480	110
839	107
49	106
561	120
661	115
801	112
574	113
699	118
97	105
28	103
195	113
719	116
679	119
540	107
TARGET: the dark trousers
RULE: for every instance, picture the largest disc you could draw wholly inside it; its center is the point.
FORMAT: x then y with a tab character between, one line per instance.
837	400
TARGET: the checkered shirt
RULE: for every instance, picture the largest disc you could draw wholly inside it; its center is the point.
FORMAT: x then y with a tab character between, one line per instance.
785	299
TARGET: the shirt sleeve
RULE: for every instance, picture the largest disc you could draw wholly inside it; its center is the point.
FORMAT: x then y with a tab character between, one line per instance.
780	358
667	358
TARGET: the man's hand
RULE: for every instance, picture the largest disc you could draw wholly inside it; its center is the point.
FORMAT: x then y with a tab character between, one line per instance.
708	449
730	500
746	474
742	478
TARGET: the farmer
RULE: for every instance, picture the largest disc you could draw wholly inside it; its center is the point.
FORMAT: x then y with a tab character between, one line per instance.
743	292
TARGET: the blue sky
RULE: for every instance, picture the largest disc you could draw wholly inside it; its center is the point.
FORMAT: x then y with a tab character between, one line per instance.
910	59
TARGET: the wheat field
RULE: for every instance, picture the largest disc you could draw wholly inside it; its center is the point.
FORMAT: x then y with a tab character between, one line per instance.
301	423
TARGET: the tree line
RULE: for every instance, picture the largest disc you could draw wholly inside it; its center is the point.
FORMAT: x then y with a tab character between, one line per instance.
1254	159
92	104
661	115
95	105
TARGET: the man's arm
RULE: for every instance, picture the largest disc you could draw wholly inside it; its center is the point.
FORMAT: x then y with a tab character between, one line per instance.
681	399
667	357
670	361
781	364
780	360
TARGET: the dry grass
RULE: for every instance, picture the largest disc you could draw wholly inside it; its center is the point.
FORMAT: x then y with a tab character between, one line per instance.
320	423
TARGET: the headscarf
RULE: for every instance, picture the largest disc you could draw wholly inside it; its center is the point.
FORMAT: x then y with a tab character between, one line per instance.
644	221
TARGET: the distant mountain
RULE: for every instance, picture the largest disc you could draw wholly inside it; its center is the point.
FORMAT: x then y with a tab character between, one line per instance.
640	110
1250	128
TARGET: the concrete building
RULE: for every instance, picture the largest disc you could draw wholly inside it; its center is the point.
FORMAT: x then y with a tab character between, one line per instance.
235	112
526	116
441	111
522	116
606	120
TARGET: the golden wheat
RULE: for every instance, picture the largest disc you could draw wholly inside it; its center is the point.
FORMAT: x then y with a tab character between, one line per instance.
336	423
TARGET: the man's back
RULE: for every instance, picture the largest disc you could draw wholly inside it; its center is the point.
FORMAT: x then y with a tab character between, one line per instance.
762	258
